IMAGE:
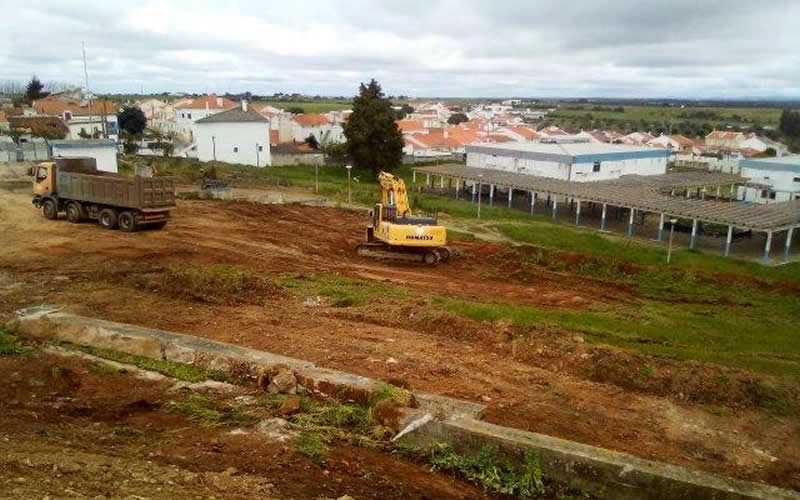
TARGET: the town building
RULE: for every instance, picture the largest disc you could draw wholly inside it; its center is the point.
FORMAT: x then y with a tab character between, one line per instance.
237	135
50	127
189	111
578	162
317	125
104	151
86	118
771	180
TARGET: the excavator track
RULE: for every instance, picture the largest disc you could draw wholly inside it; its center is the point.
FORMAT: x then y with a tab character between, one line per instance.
421	255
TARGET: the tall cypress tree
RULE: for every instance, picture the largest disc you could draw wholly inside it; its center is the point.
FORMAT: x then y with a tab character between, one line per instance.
373	139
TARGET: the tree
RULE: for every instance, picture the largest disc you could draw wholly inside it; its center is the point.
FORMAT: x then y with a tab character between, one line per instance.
790	123
457	118
34	90
312	141
373	139
132	123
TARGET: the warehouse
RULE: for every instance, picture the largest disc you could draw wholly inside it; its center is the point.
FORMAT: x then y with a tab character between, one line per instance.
579	162
772	180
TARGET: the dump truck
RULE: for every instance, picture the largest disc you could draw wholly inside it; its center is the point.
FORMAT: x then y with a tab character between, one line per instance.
76	187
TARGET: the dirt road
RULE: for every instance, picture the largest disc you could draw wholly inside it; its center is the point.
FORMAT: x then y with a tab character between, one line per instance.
539	388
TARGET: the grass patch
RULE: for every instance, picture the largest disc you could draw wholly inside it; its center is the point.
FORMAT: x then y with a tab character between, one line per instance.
456	235
9	344
104	369
335	416
180	371
312	446
219	284
392	394
341	290
206	411
493	474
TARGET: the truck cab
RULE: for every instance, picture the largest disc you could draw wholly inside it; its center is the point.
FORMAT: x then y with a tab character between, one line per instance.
43	179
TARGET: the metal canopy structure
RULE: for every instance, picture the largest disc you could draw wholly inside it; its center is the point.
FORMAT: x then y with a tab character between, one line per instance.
642	193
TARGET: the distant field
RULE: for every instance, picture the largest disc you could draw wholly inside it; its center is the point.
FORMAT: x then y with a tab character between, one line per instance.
716	116
310	106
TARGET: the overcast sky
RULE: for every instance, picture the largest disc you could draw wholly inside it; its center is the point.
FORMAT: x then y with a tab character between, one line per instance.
595	48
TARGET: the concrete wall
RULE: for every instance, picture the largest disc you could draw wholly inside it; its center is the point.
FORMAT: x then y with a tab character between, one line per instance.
303	159
106	156
234	142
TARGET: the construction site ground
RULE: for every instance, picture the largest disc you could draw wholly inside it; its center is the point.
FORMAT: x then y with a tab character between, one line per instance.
550	380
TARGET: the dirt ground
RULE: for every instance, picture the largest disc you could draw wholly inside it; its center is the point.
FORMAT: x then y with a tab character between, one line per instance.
69	431
541	389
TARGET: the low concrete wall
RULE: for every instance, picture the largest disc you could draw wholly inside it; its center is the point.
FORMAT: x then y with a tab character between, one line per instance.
605	473
280	160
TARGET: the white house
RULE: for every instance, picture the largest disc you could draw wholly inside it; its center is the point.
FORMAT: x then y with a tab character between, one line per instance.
580	162
104	151
772	180
238	135
188	112
318	125
761	144
85	118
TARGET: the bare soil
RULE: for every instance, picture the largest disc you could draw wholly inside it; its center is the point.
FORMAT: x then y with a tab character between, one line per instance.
544	387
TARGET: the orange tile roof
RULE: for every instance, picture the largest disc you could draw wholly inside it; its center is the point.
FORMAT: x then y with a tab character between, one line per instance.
410	125
311	119
498	138
682	140
57	106
526	132
209	101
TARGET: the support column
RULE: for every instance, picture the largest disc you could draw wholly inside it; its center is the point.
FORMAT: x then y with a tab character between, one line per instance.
427	180
603	218
555	206
732	193
718	191
577	212
441	182
458	188
474	187
767	248
693	238
630	222
533	201
687	193
414	176
728	240
491	195
788	246
660	227
510	195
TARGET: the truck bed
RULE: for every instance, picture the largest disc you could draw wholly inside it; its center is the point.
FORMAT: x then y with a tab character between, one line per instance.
143	193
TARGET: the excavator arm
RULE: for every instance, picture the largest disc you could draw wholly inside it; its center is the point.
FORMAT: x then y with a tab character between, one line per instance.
393	192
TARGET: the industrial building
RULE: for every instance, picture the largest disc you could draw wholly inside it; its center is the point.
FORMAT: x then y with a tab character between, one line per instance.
771	180
578	162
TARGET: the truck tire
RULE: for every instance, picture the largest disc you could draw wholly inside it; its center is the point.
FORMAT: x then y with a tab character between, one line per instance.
108	218
127	221
74	214
49	209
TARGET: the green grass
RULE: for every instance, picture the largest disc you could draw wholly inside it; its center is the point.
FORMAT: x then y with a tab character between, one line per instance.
10	346
312	446
493	474
713	115
180	371
315	106
219	284
335	416
341	290
206	411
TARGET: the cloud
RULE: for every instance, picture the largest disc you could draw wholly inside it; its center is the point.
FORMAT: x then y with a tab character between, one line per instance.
611	48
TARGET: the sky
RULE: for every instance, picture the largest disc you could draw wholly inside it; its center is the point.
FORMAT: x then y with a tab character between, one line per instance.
426	48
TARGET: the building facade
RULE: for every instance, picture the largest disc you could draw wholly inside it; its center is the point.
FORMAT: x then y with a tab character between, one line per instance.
238	135
579	162
104	151
772	180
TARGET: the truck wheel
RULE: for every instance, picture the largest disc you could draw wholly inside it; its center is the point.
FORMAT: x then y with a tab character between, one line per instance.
108	218
74	212
127	222
49	209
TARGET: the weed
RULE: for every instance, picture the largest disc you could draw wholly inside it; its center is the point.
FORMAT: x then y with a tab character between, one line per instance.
104	369
489	471
10	346
341	290
173	369
396	395
335	416
312	446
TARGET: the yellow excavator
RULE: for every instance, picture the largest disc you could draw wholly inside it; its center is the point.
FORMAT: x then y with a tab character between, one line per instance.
395	234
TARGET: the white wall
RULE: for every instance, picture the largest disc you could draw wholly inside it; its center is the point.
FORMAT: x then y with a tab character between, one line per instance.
579	172
781	181
229	135
90	124
106	156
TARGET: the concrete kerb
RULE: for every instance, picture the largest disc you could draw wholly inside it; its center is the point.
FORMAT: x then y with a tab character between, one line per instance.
605	473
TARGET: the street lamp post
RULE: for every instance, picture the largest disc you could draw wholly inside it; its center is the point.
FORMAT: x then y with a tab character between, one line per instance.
349	190
671	232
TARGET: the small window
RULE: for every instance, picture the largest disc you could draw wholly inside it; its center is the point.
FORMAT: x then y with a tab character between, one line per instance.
764	193
797	179
189	116
183	115
261	148
596	167
772	195
41	174
235	149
